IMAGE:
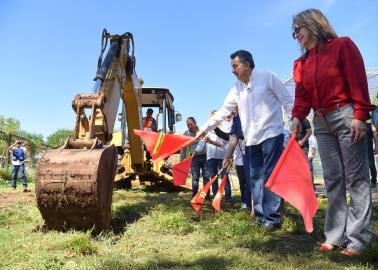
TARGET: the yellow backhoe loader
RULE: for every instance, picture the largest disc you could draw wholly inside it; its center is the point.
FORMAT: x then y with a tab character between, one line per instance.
75	182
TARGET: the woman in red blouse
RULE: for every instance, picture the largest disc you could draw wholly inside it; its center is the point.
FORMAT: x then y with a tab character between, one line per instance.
330	78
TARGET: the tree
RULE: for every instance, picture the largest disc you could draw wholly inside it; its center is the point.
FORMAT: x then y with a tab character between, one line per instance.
33	144
9	125
58	137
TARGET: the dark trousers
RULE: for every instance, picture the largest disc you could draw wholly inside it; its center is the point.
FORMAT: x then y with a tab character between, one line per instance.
214	165
373	169
198	165
241	176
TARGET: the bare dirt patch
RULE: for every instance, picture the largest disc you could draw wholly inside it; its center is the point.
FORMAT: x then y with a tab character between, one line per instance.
8	199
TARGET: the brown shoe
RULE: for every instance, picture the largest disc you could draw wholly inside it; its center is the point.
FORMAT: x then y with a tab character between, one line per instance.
26	190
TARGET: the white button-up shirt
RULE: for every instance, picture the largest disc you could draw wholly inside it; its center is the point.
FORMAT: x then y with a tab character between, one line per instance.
260	107
312	144
213	151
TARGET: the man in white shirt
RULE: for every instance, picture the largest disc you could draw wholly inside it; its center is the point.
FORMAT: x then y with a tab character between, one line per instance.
259	97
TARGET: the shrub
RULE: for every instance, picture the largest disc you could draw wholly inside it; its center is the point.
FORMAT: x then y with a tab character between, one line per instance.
5	174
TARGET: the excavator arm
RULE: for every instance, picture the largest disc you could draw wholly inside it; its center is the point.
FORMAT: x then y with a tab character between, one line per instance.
74	183
116	80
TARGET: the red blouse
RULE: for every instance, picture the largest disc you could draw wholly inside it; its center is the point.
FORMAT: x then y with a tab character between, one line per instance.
335	74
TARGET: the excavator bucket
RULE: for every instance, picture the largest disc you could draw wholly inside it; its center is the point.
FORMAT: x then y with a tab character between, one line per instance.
74	188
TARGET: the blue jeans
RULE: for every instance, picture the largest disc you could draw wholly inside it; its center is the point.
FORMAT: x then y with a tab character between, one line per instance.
214	165
19	169
198	164
248	185
262	160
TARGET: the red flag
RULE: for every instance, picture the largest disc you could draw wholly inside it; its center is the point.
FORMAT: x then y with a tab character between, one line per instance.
199	198
180	171
220	194
162	145
291	179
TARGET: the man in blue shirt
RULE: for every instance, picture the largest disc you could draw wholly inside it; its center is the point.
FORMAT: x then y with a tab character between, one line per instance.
18	152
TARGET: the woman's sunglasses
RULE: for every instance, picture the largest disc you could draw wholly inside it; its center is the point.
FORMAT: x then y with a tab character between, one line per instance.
296	31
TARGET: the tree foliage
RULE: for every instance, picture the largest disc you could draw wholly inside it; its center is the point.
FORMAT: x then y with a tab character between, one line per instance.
34	142
12	126
9	124
58	137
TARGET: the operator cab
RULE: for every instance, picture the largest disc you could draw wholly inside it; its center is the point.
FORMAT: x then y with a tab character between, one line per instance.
161	101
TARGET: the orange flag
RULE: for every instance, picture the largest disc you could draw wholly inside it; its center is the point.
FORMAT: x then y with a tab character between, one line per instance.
199	198
291	179
220	194
162	145
180	171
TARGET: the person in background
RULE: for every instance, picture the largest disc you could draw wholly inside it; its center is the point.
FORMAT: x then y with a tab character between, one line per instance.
305	135
18	152
311	155
198	150
374	126
287	135
259	97
215	151
149	122
370	145
374	130
236	148
330	78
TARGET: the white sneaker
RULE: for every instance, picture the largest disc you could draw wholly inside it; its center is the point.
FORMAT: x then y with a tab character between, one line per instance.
243	206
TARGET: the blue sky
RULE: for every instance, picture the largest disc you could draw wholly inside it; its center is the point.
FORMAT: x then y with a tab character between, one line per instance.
49	49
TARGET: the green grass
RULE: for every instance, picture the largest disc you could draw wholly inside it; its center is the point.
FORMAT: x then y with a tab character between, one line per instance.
6	176
152	230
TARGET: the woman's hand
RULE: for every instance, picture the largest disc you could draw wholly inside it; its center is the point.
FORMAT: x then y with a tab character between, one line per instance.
296	126
357	130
